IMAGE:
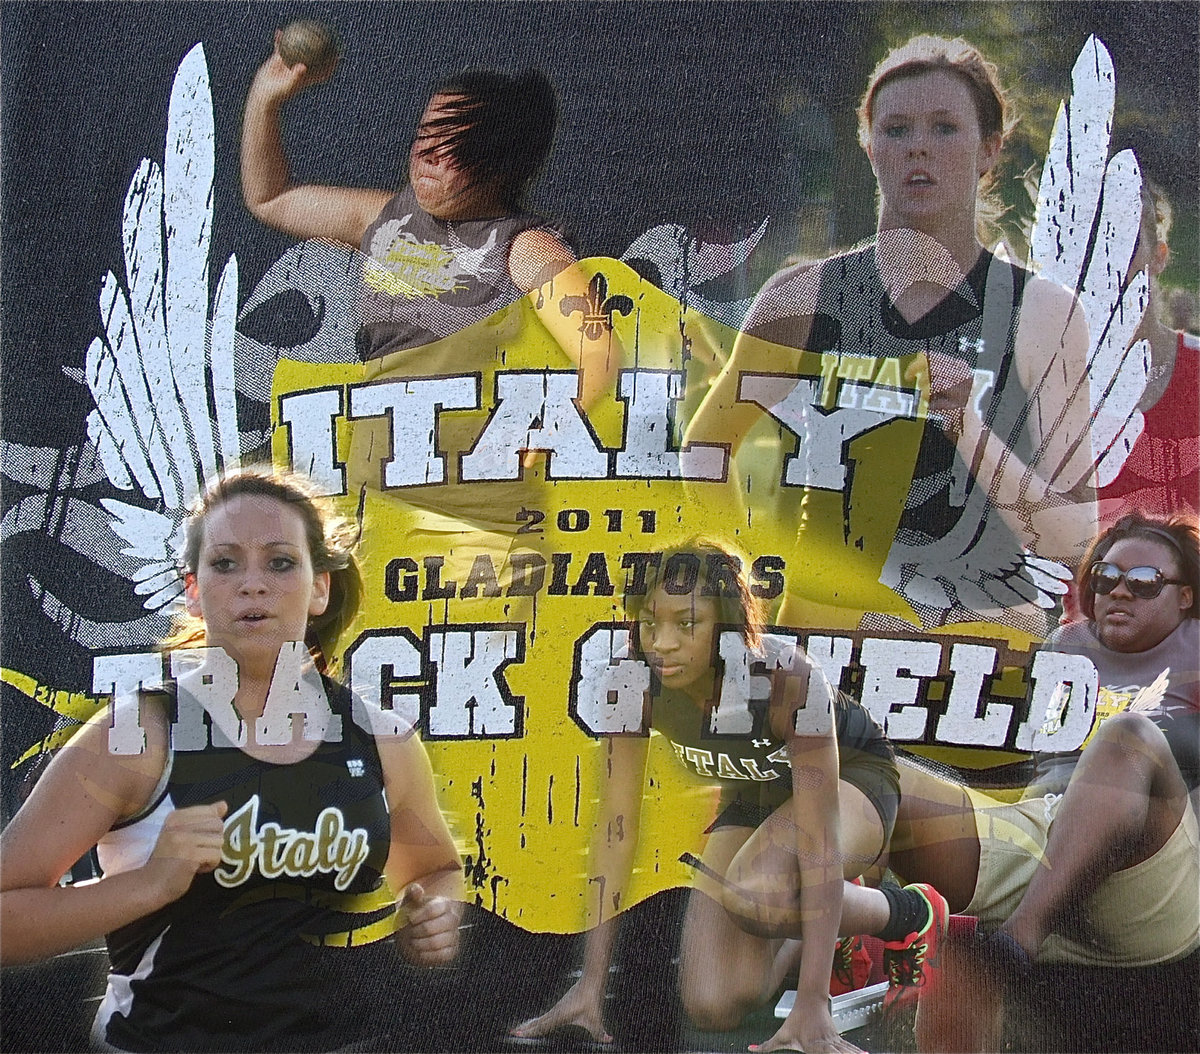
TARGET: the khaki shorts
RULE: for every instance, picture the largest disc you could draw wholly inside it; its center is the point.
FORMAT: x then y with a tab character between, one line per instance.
1145	914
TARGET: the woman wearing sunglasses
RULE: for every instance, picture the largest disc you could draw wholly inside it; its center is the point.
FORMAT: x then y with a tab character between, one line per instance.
1139	592
1098	864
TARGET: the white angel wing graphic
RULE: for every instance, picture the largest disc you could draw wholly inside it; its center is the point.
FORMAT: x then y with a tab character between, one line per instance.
1084	235
469	262
161	377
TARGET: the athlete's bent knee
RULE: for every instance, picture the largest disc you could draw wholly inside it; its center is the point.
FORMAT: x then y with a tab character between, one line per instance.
714	1010
762	907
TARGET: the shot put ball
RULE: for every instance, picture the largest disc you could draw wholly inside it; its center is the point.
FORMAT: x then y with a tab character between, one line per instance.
313	43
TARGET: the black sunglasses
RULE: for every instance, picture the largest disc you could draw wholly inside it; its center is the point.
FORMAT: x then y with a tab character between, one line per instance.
1144	582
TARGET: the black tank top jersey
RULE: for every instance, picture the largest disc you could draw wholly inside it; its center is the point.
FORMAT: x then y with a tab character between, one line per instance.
854	316
955	328
752	766
756	756
428	278
754	770
251	956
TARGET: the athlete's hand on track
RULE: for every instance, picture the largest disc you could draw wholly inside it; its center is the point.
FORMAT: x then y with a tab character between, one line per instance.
809	1028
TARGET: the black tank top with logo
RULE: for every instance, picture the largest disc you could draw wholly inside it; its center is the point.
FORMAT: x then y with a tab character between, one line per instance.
428	278
255	954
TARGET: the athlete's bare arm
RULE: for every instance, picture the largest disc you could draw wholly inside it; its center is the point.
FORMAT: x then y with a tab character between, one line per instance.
423	867
86	790
300	210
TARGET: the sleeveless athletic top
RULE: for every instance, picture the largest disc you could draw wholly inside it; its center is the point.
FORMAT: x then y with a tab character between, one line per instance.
428	278
253	955
1162	682
753	765
975	323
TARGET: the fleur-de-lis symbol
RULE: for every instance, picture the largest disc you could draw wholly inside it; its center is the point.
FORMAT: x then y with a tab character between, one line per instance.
597	307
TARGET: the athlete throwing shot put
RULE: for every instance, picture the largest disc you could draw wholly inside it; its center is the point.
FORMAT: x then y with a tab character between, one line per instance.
455	244
447	251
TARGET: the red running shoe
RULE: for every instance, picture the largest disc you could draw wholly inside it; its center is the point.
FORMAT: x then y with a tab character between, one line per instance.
851	966
911	964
